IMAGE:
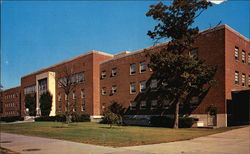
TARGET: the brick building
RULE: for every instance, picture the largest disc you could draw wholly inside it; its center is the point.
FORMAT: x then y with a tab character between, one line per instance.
101	79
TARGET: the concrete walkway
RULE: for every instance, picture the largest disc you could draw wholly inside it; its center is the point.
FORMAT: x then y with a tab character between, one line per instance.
231	142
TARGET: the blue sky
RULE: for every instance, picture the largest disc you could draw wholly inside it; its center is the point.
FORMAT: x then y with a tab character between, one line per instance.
35	35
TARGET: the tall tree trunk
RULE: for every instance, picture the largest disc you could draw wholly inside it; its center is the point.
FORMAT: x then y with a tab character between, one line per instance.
176	118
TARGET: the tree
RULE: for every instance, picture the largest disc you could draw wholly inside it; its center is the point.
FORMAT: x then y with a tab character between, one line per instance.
180	76
66	83
30	103
45	103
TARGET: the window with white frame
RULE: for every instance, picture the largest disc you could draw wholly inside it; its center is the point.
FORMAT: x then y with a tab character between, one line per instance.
236	77
103	74
143	67
249	81
132	69
113	72
83	93
59	97
248	59
132	88
74	94
104	92
114	89
142	86
132	105
236	53
153	84
243	80
143	105
194	53
153	104
243	56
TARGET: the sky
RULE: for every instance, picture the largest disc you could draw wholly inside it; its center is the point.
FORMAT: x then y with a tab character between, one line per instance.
37	34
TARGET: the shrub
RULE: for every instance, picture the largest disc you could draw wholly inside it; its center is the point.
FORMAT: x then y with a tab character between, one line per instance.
62	118
164	121
11	119
45	103
112	118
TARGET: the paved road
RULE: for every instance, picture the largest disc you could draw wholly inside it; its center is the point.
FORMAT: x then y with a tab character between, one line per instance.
231	142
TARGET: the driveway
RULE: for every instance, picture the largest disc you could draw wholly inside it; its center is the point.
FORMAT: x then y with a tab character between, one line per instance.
230	142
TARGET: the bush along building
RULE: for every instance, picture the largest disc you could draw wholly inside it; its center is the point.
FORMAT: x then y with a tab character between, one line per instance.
97	79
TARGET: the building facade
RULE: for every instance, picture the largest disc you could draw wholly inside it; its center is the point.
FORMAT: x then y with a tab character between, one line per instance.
101	79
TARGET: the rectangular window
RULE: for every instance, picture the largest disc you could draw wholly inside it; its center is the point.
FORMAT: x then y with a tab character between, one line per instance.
132	105
132	88
236	53
243	57
74	94
103	74
80	77
243	80
166	104
249	59
104	91
249	81
143	67
59	97
153	84
236	77
153	104
114	89
82	93
66	97
132	69
83	105
143	105
142	86
30	89
194	53
114	72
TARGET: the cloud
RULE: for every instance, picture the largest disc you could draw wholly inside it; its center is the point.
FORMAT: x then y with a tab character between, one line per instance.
217	1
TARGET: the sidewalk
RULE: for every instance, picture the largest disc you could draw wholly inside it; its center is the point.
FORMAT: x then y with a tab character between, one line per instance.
231	142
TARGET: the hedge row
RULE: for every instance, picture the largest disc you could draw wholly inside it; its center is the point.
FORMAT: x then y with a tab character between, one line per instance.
62	118
163	121
11	119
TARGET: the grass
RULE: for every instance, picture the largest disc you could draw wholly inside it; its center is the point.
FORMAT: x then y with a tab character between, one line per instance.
101	134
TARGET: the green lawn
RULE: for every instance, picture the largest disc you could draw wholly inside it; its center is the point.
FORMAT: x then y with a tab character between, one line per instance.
101	134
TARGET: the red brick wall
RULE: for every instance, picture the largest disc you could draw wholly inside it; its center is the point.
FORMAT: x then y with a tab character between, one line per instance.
234	39
11	102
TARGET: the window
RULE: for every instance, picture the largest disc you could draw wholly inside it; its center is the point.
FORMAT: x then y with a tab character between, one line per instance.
236	77
83	105
194	53
80	77
153	104
142	86
103	74
166	104
249	81
132	105
82	93
104	91
132	88
243	57
66	97
243	80
30	89
236	53
114	72
249	59
114	89
153	84
74	94
132	69
143	105
143	67
59	97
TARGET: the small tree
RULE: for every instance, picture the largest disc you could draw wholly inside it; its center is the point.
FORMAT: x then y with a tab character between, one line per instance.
45	103
178	74
112	118
30	103
65	82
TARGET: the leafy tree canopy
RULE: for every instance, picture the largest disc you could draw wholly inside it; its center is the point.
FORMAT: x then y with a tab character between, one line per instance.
45	103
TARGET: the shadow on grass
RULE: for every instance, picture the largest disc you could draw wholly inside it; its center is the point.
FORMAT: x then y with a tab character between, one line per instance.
114	127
